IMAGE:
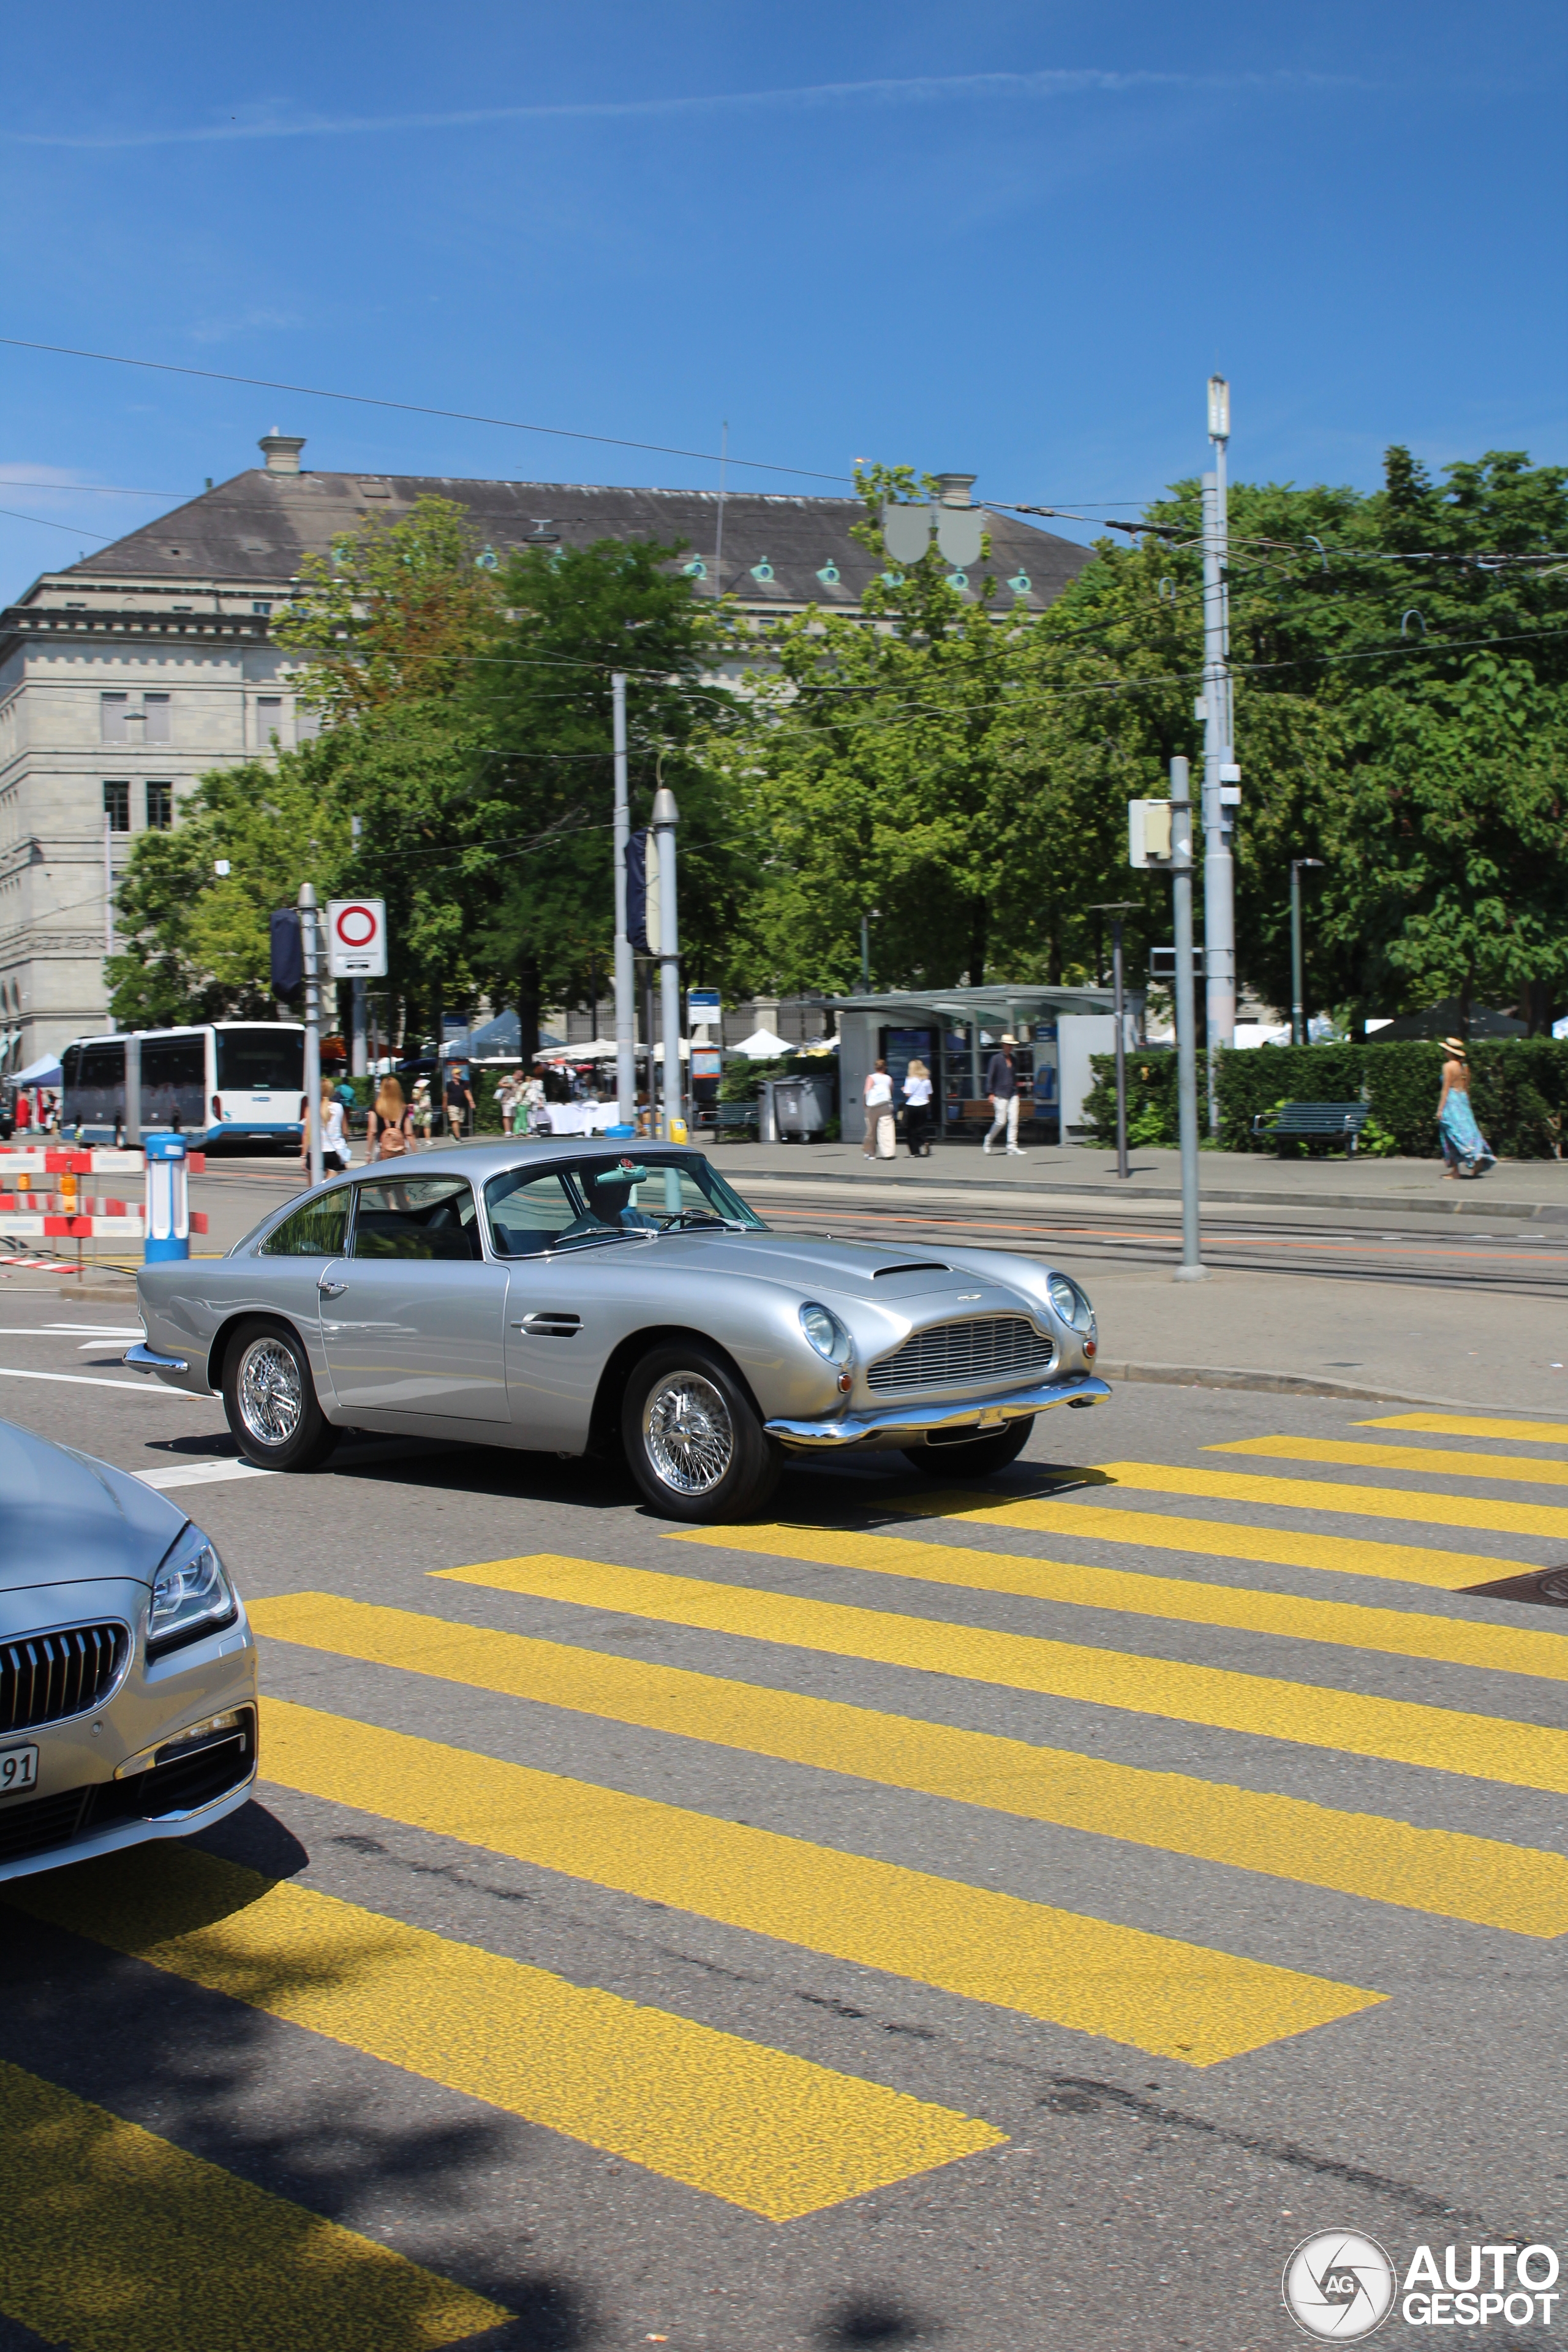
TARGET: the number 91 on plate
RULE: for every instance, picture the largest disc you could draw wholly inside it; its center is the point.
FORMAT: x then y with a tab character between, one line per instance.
18	1769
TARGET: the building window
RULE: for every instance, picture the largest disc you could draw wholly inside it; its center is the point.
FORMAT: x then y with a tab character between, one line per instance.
269	718
261	608
114	709
117	807
155	718
160	807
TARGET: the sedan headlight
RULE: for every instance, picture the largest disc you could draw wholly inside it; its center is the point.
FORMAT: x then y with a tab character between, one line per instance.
825	1332
1069	1302
190	1594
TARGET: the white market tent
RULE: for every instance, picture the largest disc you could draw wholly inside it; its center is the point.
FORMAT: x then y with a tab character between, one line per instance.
764	1045
44	1072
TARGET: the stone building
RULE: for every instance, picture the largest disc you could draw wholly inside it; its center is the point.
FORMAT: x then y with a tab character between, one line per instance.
126	676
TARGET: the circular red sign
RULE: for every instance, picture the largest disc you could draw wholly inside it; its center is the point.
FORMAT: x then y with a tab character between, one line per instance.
356	926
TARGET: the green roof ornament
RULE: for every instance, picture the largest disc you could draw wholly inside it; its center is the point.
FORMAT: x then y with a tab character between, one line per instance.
829	574
1020	583
763	571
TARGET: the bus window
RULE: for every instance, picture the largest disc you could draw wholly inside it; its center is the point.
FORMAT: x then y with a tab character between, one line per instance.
173	1081
253	1060
99	1098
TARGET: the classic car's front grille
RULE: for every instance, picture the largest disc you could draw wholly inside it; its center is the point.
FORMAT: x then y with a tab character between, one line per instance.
49	1676
953	1355
43	1822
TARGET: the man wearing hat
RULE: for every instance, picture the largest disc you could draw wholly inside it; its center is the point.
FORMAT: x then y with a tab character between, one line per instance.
1001	1085
1465	1148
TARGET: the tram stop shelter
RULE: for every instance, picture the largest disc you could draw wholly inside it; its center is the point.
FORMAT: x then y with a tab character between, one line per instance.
955	1031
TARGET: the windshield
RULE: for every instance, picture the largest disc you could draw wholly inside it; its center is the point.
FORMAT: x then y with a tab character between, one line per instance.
248	1059
607	1198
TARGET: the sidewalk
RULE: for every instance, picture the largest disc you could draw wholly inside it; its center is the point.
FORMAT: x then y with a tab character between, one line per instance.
1517	1188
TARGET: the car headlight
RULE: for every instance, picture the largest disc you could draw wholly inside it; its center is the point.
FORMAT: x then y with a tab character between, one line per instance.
1069	1302
190	1594
825	1332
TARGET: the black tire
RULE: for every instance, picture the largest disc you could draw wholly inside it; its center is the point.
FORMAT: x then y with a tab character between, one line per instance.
693	1442
973	1458
267	1386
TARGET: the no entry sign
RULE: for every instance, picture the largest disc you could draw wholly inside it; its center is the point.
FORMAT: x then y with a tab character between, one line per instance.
356	938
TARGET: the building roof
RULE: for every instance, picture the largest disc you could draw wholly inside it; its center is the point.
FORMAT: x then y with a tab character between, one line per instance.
780	551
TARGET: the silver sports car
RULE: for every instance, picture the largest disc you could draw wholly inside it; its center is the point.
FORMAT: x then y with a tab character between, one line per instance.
574	1298
127	1668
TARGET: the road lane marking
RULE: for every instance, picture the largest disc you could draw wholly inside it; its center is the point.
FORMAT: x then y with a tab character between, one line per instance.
1395	1731
1322	1495
1519	1889
1155	1993
88	1381
1343	1624
116	2241
1466	1424
1447	1572
758	2128
1354	1454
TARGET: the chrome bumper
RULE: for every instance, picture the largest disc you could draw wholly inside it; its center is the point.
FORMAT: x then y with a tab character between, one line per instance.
911	1420
143	1358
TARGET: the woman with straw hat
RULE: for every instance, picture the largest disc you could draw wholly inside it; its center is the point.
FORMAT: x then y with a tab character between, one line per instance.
1465	1148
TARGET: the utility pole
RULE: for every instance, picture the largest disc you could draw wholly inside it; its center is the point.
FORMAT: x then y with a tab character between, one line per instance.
666	816
868	917
1297	987
1191	1268
358	1063
309	953
1222	777
626	975
1116	911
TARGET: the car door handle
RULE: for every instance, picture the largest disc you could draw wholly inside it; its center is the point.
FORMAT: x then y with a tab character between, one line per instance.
331	1289
544	1326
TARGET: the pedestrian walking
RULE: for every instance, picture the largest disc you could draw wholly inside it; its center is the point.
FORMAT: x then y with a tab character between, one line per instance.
458	1099
917	1110
1001	1085
1465	1148
423	1108
335	1153
882	1142
508	1088
389	1130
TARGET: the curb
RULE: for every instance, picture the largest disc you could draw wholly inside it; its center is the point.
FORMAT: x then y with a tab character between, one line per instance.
1227	1376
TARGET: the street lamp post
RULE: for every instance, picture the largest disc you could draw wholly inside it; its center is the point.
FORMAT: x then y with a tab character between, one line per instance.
665	817
1191	1268
868	917
1116	910
1297	989
626	974
1221	774
310	954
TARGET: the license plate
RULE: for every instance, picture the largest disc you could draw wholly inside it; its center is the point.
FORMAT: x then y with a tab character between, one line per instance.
18	1769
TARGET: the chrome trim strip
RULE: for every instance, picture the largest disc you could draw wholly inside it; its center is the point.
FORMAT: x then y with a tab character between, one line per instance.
143	1358
908	1421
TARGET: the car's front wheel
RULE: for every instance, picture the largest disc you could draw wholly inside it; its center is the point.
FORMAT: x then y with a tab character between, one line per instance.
271	1400
973	1458
692	1438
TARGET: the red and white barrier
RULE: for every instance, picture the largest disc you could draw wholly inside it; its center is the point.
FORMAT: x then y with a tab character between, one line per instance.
99	1160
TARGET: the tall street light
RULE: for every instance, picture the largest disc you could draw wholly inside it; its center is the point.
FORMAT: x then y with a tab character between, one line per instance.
1116	909
1298	991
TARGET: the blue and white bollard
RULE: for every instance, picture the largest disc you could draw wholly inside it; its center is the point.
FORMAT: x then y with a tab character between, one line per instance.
168	1219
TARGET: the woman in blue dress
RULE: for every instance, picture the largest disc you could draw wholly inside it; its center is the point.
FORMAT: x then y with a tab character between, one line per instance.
1465	1148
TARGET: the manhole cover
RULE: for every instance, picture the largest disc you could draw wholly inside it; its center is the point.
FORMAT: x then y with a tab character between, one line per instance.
1547	1588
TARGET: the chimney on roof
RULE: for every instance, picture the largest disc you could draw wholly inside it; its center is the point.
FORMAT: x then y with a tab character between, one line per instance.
953	490
282	451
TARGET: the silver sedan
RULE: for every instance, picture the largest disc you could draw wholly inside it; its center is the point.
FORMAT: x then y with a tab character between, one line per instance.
577	1298
127	1668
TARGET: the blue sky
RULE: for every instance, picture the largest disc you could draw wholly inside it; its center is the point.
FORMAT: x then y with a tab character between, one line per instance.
1013	240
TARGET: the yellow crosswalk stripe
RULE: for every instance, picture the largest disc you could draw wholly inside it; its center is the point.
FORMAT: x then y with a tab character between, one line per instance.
1443	1571
113	2239
1475	1424
761	2129
1480	1879
1171	1999
1357	1502
1355	1454
1346	1624
1402	1731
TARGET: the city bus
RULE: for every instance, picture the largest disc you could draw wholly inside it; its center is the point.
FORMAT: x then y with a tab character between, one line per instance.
225	1085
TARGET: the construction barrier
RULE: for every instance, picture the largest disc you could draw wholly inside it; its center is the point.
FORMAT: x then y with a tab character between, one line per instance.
32	1159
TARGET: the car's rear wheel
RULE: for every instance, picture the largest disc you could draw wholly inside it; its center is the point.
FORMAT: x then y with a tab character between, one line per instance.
693	1441
972	1457
271	1400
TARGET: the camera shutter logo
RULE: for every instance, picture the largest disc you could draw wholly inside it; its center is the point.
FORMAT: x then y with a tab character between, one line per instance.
1339	2285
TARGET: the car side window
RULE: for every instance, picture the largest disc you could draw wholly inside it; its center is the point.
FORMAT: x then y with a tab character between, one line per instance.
315	1231
528	1213
416	1216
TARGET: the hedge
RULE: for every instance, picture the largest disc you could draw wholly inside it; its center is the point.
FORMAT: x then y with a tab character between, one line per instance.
1519	1088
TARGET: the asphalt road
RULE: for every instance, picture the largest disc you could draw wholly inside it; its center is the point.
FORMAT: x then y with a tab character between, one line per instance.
998	1920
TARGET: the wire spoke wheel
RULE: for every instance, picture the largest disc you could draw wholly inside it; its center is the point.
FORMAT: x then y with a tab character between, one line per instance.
271	1391
687	1435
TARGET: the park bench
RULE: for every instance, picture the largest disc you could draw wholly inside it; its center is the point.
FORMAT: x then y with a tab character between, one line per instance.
1308	1122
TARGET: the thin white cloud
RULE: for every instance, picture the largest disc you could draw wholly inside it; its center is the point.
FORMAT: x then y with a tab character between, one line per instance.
920	91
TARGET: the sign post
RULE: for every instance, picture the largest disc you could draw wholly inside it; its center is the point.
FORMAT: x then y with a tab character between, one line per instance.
356	938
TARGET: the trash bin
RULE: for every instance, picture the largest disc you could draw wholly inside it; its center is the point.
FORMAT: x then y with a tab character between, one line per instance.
801	1108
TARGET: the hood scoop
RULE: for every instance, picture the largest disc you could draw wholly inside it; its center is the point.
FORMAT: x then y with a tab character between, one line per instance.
911	1265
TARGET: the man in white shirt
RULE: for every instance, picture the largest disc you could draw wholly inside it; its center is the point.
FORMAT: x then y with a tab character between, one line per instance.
879	1139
